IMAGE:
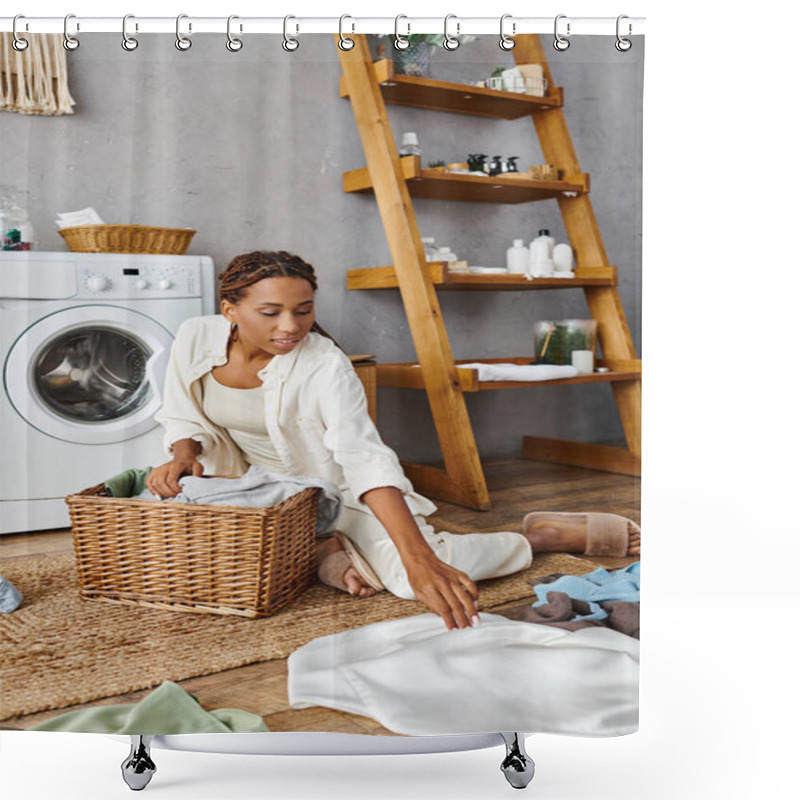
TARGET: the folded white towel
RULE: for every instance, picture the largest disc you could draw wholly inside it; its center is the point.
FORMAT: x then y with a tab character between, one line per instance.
521	372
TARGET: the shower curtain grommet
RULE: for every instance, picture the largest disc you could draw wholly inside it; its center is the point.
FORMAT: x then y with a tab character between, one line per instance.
290	44
233	44
561	43
183	43
70	42
400	42
506	42
345	42
19	44
129	43
622	44
451	42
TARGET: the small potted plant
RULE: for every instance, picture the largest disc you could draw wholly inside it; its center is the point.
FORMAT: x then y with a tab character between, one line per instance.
437	166
415	60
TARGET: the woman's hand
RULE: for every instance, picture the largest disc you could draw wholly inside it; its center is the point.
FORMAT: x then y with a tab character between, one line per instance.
446	591
163	481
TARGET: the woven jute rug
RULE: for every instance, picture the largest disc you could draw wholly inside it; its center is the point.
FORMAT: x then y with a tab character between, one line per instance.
59	650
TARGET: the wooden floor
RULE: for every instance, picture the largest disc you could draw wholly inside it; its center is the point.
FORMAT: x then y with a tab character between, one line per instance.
516	486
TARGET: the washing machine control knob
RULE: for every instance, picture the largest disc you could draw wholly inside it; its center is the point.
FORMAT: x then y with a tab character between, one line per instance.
142	283
98	283
165	284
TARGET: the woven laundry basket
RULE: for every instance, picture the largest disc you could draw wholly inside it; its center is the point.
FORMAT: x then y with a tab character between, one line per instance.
127	239
212	559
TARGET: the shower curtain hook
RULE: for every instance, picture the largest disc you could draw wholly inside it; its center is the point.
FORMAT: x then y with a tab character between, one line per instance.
289	43
70	42
19	44
129	43
400	42
623	45
181	41
560	43
451	42
345	42
506	42
233	44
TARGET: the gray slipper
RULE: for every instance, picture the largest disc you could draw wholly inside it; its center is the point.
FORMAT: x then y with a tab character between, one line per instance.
606	534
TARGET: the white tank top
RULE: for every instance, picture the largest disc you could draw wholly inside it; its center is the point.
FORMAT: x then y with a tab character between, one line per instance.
241	413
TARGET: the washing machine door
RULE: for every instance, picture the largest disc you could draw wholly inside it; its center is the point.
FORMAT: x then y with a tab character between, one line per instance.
89	374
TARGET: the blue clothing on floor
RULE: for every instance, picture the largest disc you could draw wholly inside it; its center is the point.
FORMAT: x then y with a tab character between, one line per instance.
597	587
10	596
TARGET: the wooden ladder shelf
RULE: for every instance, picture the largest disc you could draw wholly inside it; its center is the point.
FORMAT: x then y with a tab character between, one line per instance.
394	181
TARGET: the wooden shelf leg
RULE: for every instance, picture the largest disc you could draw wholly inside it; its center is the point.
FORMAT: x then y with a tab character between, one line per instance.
464	482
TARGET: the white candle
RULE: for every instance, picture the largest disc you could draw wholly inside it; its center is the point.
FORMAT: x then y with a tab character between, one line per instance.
583	361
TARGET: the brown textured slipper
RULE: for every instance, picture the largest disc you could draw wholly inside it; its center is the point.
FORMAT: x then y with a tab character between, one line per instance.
331	570
606	534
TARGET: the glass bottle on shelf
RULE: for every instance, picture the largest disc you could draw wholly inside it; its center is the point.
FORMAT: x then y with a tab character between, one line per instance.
15	225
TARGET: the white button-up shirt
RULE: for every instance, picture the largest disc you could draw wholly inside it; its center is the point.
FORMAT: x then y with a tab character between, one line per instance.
315	411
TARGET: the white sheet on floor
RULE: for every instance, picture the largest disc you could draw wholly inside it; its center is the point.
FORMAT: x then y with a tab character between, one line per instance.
416	678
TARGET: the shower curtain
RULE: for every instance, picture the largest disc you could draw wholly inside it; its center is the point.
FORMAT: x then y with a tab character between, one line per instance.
248	147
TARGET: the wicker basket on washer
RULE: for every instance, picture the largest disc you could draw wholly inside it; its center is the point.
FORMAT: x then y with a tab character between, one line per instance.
127	239
214	559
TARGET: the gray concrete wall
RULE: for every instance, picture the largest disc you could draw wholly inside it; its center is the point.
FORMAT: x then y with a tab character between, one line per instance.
248	148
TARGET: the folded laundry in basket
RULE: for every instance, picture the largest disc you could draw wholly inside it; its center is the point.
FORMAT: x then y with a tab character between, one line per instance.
166	710
258	488
521	372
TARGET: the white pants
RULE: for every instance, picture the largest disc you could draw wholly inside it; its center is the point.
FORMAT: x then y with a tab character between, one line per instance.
479	555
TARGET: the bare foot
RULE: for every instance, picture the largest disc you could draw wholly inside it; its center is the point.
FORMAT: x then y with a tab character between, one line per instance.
334	568
562	536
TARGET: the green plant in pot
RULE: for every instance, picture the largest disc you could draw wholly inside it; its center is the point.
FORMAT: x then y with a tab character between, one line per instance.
415	60
555	341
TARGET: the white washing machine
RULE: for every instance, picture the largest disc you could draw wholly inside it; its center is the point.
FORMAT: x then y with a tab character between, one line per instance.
84	343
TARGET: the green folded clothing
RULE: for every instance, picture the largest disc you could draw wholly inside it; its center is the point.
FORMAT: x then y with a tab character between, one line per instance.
168	709
130	483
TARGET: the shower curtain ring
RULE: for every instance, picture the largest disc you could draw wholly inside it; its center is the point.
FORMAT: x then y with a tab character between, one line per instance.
233	44
290	44
345	42
70	42
560	43
129	43
506	42
19	44
181	41
623	45
400	42
451	42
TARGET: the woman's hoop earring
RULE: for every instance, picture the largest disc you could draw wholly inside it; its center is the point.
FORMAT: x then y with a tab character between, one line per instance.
234	330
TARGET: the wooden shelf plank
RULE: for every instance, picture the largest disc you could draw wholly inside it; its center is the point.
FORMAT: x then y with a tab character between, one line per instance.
443	279
581	454
434	185
408	375
456	98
